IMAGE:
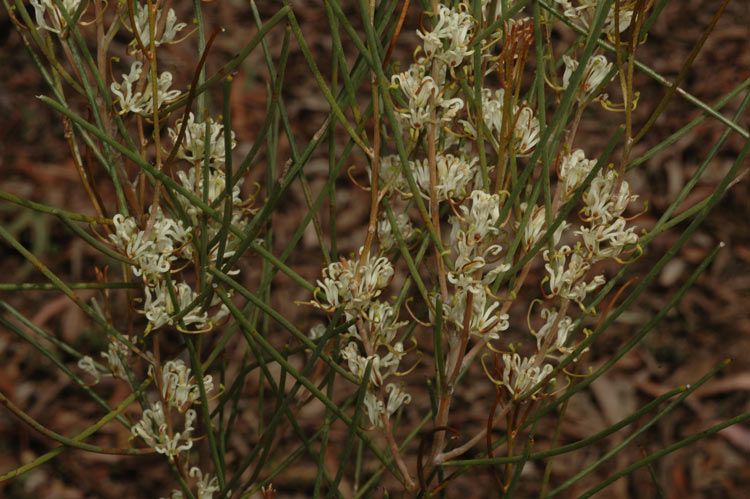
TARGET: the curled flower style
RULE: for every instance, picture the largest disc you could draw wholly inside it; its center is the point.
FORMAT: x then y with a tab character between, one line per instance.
482	218
597	69
155	432
132	100
397	398
383	366
49	16
86	363
525	126
207	485
607	240
485	321
217	183
375	409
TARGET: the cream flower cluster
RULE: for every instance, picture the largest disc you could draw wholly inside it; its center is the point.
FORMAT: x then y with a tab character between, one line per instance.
179	392
140	100
354	286
157	434
161	247
430	93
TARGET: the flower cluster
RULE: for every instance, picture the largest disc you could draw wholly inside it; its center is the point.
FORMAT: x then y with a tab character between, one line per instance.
140	100
142	26
179	391
161	247
354	286
157	434
116	356
432	92
178	388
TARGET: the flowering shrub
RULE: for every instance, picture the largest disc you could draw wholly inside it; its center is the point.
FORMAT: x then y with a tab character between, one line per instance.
493	237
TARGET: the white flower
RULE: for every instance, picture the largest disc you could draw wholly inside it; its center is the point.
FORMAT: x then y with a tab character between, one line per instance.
49	16
525	125
381	368
385	232
87	364
484	322
171	26
159	306
608	240
207	485
454	176
153	429
597	69
193	146
537	226
178	387
375	409
565	277
562	331
521	374
116	353
142	102
154	250
449	39
573	171
397	397
583	13
317	331
382	321
498	10
356	362
217	183
482	218
353	285
419	89
604	200
391	175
